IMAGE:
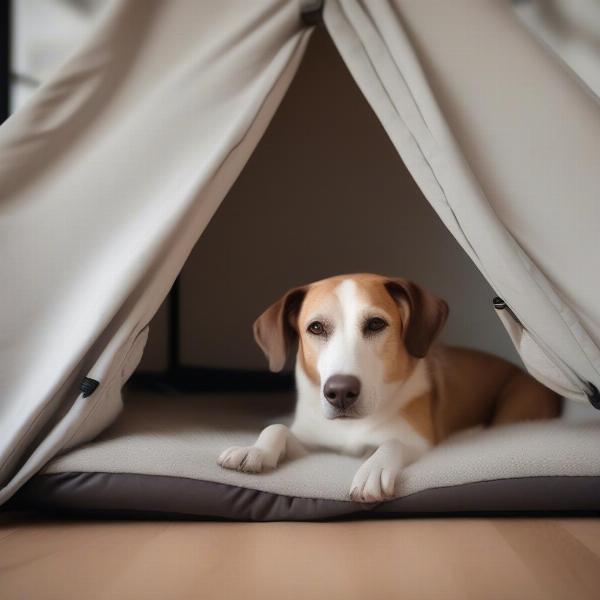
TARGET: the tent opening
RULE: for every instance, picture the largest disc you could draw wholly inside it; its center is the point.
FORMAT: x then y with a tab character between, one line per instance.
324	193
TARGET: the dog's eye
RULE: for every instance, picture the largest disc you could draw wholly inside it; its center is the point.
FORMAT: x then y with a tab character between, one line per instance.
375	324
316	328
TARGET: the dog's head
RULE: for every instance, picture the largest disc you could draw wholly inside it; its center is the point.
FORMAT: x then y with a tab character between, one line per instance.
358	336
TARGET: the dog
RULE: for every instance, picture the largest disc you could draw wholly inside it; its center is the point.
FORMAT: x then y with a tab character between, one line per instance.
371	382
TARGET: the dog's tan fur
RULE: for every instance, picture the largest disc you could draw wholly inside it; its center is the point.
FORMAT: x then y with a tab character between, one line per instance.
419	414
319	294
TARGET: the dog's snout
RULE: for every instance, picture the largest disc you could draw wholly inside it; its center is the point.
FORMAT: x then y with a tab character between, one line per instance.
342	391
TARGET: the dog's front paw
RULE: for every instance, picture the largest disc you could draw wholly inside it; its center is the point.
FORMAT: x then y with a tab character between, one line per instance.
374	482
249	459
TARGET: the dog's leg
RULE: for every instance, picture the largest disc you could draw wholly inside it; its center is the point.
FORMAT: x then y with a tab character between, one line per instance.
376	478
522	398
272	445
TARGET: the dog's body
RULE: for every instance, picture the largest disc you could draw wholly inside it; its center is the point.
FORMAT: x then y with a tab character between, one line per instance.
370	383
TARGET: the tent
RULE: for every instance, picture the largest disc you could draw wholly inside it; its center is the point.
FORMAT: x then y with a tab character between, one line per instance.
114	168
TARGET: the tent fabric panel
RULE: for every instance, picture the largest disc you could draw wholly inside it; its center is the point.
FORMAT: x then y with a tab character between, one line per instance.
534	165
548	147
109	175
374	44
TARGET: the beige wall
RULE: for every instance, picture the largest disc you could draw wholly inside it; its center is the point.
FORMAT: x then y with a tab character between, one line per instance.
324	193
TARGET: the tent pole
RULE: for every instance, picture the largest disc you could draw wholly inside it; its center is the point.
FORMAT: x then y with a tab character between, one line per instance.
174	360
5	57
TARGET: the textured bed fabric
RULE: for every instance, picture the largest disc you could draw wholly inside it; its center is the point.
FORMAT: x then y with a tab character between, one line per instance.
160	457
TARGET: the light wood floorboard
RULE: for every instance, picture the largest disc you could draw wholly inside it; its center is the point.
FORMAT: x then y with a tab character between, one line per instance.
476	559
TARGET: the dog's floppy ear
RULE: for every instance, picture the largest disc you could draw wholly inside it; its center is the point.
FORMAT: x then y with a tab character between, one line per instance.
426	314
275	330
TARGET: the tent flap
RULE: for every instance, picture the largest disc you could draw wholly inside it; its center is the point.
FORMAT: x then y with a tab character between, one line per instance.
109	174
436	90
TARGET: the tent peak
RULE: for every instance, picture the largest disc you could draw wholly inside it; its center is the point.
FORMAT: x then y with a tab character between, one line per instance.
312	12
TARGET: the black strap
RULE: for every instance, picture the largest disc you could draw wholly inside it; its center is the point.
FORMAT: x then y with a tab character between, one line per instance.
594	397
88	386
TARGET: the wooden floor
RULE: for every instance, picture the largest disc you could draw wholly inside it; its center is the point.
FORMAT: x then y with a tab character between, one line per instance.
427	558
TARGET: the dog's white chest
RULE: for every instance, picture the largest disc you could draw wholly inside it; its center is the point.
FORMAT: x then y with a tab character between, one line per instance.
348	436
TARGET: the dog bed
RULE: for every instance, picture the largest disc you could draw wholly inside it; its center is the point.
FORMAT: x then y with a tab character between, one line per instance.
159	458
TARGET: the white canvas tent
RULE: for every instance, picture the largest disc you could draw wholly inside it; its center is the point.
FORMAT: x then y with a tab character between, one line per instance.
113	169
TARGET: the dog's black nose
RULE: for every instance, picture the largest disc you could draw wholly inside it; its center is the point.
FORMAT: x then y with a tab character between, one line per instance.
342	391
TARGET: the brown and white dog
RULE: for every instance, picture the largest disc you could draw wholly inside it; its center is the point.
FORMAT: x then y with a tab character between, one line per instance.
370	382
